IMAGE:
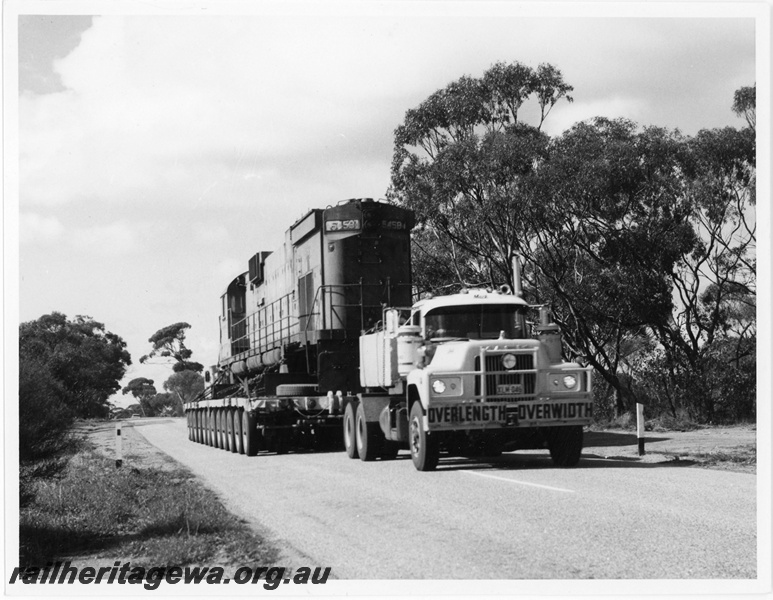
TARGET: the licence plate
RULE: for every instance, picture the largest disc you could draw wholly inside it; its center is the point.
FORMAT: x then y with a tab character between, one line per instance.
509	389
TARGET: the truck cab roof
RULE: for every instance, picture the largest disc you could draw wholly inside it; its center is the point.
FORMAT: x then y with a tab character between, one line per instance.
472	297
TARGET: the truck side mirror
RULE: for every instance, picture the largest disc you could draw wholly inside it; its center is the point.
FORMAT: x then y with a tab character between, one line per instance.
207	377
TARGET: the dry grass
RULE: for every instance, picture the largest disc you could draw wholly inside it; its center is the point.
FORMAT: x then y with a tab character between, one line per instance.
149	516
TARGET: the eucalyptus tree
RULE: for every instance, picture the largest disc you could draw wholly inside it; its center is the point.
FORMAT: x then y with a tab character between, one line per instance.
463	160
169	345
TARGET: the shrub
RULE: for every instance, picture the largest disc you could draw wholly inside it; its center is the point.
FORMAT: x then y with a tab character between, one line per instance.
44	425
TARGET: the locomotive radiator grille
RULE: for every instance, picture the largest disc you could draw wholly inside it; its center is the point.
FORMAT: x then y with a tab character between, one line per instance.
506	385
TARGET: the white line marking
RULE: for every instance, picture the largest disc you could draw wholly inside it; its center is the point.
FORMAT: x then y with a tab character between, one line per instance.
507	479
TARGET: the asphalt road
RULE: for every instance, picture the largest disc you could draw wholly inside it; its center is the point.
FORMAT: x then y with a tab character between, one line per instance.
516	517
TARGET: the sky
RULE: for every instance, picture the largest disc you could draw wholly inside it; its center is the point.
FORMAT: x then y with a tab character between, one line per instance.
158	152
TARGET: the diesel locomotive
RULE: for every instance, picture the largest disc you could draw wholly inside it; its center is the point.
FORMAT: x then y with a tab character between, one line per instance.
321	346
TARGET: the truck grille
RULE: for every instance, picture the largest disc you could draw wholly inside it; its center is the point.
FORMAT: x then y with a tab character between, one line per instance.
495	375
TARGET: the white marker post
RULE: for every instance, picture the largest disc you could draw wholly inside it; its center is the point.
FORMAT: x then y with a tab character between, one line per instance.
118	446
640	427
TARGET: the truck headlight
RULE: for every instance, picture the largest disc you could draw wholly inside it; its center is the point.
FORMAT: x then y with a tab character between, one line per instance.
438	386
508	361
564	382
448	386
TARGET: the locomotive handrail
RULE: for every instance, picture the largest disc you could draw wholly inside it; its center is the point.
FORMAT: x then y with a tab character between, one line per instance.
256	338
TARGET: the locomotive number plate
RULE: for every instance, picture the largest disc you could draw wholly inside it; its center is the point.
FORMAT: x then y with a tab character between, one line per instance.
342	225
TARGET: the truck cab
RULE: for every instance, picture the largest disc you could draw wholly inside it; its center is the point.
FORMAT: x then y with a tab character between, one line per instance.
468	373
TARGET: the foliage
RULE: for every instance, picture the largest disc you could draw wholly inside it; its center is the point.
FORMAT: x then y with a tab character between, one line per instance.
86	361
609	222
169	343
745	105
463	160
143	389
165	405
641	240
186	386
67	369
44	426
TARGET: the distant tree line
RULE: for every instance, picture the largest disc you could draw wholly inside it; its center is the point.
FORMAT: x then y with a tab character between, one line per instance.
640	239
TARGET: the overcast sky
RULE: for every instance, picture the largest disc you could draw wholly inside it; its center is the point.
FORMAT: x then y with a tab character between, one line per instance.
157	153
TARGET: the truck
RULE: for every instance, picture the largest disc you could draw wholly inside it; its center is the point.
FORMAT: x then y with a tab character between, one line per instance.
322	347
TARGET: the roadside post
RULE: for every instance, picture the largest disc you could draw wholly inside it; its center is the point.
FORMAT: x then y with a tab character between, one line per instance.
640	427
118	445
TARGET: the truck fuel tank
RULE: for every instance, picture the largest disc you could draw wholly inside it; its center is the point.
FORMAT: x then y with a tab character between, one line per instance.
409	341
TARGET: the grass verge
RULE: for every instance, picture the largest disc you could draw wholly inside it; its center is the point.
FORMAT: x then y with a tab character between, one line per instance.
151	517
740	458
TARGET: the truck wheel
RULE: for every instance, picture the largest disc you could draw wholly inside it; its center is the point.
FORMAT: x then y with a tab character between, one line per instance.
231	429
565	444
213	428
210	418
250	435
369	437
221	428
425	450
216	441
238	438
350	431
224	429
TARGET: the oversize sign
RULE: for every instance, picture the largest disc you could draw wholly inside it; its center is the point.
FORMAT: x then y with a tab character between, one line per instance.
484	415
539	413
466	416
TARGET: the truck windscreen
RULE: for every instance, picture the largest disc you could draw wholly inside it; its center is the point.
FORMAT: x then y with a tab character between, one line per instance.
485	321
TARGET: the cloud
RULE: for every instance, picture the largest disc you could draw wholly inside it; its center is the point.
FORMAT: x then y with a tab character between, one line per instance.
229	268
209	233
113	239
150	99
37	229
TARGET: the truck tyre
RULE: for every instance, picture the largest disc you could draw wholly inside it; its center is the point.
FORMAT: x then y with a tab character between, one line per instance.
369	437
213	428
223	431
231	429
219	428
216	428
210	418
425	450
350	430
238	438
250	434
565	444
